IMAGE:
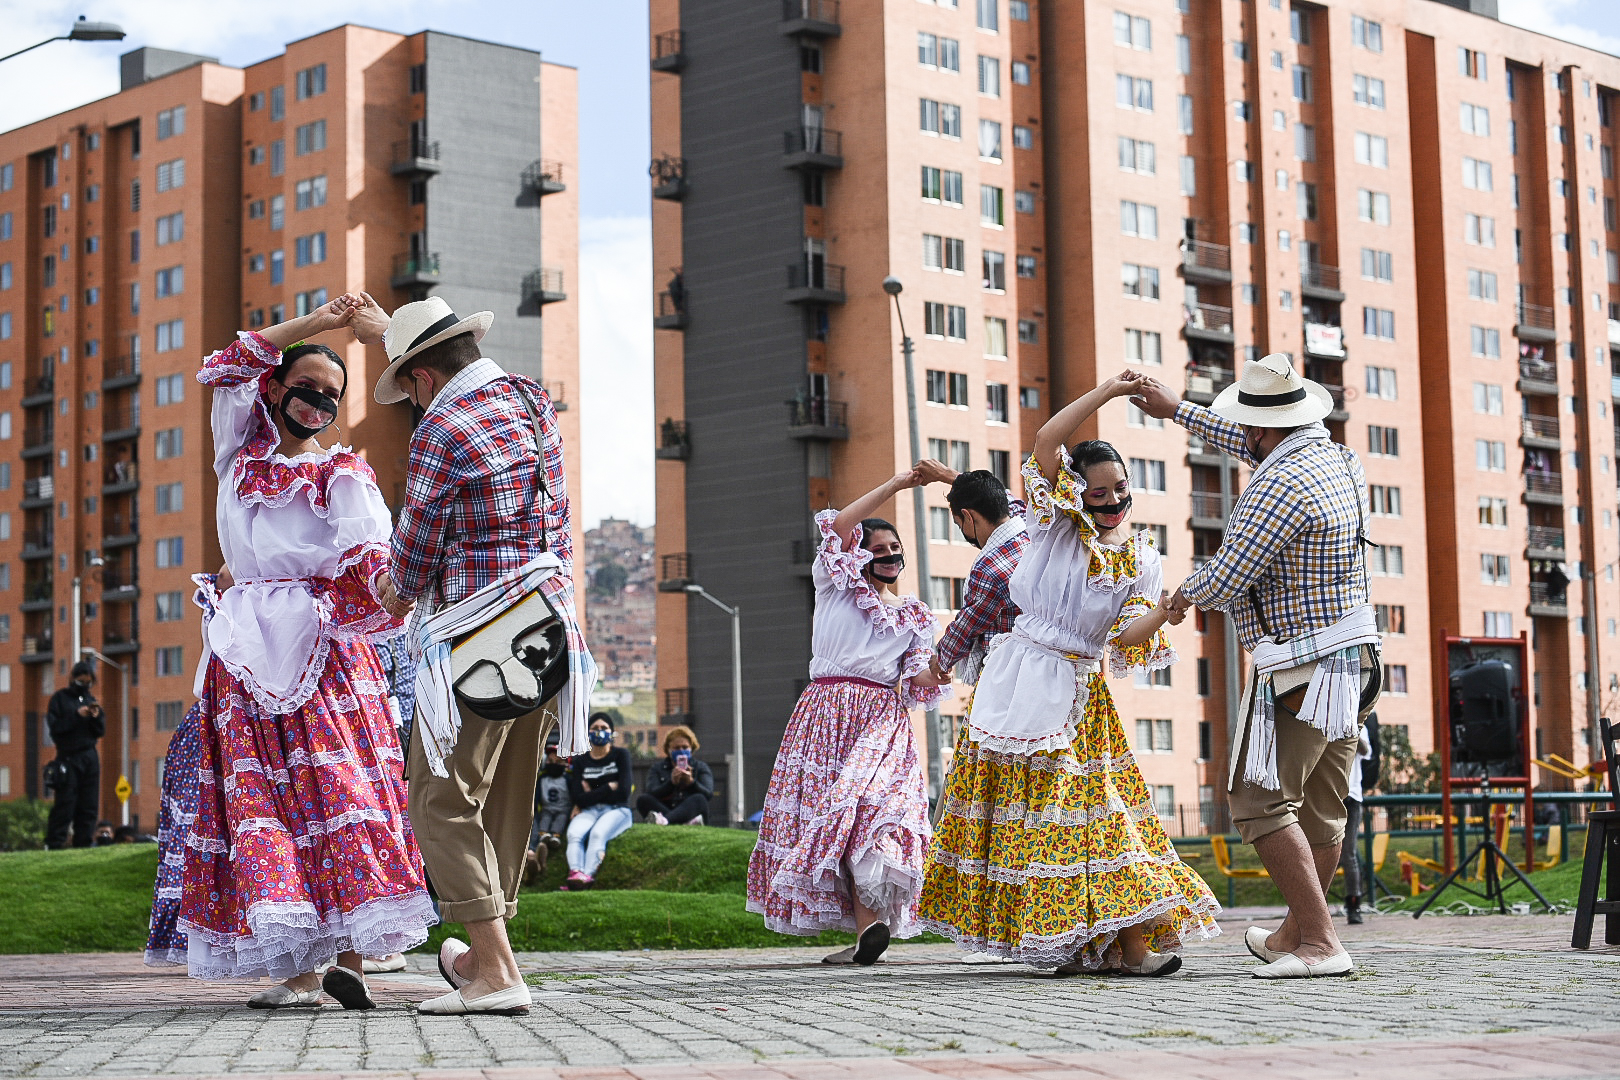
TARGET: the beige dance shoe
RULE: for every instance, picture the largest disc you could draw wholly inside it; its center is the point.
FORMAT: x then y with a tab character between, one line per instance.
1289	966
396	962
1255	938
513	1001
282	996
449	953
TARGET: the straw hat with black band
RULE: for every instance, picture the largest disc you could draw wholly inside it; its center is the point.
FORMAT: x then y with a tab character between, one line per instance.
417	326
1271	394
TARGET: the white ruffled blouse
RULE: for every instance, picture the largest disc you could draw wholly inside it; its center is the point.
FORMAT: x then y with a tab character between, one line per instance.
856	634
304	538
1075	597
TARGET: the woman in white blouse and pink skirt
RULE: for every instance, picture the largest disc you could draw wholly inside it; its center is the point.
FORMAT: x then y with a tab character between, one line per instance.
844	834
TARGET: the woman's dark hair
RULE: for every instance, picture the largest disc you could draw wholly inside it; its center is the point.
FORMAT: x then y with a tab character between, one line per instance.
980	492
309	348
874	525
606	718
1083	455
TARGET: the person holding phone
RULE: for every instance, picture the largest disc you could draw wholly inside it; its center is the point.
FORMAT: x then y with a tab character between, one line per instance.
679	786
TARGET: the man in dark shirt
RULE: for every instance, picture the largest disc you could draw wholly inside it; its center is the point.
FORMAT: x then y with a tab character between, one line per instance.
76	721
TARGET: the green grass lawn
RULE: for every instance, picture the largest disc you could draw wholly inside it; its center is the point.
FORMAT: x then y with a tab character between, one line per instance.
660	888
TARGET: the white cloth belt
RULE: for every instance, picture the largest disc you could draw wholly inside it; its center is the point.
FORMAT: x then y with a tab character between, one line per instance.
1331	700
1030	696
437	714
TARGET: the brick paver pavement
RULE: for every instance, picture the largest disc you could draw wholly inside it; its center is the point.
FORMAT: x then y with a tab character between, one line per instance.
1440	997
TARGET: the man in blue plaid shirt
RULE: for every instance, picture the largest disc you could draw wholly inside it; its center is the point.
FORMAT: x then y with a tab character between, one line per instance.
1291	575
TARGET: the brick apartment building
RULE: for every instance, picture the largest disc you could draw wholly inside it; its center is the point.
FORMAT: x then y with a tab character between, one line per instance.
141	231
1412	199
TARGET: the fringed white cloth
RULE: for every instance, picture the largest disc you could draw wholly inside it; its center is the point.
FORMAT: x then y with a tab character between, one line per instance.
1331	699
436	709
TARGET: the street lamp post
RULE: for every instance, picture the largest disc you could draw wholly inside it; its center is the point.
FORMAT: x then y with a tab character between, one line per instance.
123	722
82	31
892	286
738	817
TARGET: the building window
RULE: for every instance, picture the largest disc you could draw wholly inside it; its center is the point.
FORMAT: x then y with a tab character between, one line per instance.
1471	64
278	157
170	282
1028	332
169	443
278	102
171	552
989	140
169	498
1386	560
171	389
255	102
1147	475
311	82
1368	92
1029	397
1482	285
1490	455
1378	323
170	660
1143	347
1018	10
1381	383
989	76
171	122
1384	501
1302	83
306	302
278	267
1140	282
991	208
1189	175
1000	465
1395	679
1139	219
1131	92
1493	512
310	193
1476	120
310	138
171	228
1485	342
1383	441
1372	206
1372	150
1377	265
1476	174
418	78
1026	266
1023	137
1499	624
1478	230
310	249
995	338
1020	73
1494	570
1366	34
1133	32
995	403
1137	155
171	336
1488	399
171	174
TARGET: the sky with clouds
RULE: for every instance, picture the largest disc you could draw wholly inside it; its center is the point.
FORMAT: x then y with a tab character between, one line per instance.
607	41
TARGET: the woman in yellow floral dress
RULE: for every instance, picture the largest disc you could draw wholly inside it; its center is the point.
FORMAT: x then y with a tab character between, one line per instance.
1049	850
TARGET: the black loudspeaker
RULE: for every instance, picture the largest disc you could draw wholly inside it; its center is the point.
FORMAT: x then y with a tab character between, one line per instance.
1485	721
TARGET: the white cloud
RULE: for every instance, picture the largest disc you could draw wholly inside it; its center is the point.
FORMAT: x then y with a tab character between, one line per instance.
616	368
1557	18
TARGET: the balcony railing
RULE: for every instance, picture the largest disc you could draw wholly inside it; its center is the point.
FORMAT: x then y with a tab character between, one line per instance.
1539	427
42	539
544	176
414	156
816	147
1210	318
119	579
676	707
817	281
37	647
120	632
1209	506
1544	595
818	418
120	371
1614	387
674	571
813	18
124	423
119	474
1544	483
38	589
1546	537
674	441
1201	255
40	487
38	436
38	386
668	176
669	50
1336	392
1541	371
671	311
1206	380
1319	276
544	284
1535	316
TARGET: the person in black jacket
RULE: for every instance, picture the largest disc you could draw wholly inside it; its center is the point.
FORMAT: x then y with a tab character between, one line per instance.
76	721
599	782
679	786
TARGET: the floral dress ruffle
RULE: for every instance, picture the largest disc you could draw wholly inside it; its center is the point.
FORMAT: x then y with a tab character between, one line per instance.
300	847
1045	857
847	805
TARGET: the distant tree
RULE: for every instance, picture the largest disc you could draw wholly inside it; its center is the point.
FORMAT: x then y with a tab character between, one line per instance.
608	580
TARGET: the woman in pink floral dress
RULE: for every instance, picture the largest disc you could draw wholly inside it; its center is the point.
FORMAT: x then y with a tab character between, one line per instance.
300	851
845	830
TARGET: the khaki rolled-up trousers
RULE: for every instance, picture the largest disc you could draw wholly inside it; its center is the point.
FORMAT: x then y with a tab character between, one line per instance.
473	825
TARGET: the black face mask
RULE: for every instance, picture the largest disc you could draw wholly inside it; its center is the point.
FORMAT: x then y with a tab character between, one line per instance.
1111	510
555	768
882	564
315	400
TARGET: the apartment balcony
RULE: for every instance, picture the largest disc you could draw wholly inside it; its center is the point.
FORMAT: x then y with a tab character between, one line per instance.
1204	382
120	586
39	390
557	391
122	531
674	572
120	636
668	177
120	478
671	312
1320	282
1538	377
1200	452
544	285
818	418
815	282
38	594
1535	323
415	271
1614	387
1339	414
120	424
415	158
1209	510
38	544
676	707
544	177
1546	488
674	441
669	51
121	373
1539	431
38	440
1548	601
37	649
1545	542
1614	333
1324	340
1206	263
812	148
39	493
811	18
1208	322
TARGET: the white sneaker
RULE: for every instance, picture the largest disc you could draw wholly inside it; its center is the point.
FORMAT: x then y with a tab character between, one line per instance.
656	818
395	962
696	821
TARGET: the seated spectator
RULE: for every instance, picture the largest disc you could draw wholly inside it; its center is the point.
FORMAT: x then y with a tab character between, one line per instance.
551	806
678	787
103	834
599	783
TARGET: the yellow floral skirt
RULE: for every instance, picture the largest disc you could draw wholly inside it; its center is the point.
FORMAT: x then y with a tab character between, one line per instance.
1045	857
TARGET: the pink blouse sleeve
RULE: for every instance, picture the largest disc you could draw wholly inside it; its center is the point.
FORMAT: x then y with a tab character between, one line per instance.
356	611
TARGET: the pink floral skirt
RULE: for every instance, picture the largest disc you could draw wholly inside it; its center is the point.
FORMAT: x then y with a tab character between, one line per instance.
847	807
300	847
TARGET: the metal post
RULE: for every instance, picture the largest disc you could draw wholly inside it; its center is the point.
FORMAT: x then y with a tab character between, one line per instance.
739	817
1594	685
919	509
123	723
78	622
1229	641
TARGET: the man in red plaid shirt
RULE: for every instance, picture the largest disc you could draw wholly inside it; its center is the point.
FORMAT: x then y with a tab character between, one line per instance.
483	504
982	511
